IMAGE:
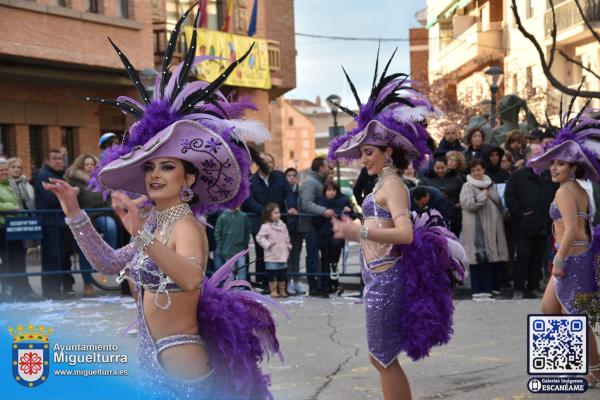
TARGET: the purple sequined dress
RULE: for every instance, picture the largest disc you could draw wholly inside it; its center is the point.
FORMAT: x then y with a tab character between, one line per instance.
236	329
408	306
580	275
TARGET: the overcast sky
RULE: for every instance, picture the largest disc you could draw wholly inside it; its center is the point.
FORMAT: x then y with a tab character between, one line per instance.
318	62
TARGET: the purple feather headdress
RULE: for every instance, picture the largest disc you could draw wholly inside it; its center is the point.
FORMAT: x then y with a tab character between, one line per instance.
175	99
576	142
397	110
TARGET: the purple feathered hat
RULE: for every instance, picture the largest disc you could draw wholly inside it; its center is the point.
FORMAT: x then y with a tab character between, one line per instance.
192	121
577	142
391	117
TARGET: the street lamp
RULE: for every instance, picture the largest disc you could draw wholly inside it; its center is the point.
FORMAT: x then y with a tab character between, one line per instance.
494	76
148	78
332	102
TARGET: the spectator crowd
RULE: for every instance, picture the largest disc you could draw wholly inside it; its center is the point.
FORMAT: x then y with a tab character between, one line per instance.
485	192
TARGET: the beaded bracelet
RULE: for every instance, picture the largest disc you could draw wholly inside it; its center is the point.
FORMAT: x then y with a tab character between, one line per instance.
364	232
78	221
143	239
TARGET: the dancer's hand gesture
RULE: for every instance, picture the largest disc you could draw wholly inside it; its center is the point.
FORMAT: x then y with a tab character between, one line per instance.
344	228
129	211
67	195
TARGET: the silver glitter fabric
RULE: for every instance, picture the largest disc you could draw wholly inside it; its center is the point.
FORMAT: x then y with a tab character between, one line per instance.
155	382
579	278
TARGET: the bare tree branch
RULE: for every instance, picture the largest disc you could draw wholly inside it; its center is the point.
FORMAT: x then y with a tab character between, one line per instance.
545	66
586	22
576	62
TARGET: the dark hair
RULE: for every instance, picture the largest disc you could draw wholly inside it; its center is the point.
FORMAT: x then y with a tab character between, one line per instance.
190	169
50	151
515	136
109	142
266	215
419	192
398	158
317	163
476	162
440	159
470	134
331	185
291	169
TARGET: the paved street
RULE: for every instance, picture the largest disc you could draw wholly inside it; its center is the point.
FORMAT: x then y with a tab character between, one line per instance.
325	348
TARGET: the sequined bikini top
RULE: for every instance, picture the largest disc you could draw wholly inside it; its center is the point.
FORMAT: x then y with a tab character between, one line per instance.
143	270
371	209
555	212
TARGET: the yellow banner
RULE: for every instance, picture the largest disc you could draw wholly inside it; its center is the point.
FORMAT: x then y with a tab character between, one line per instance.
252	73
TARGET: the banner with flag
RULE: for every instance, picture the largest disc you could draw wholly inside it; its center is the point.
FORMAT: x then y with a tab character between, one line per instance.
252	25
228	16
252	73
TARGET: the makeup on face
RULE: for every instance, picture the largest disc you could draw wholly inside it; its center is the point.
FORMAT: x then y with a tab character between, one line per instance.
164	178
372	159
561	171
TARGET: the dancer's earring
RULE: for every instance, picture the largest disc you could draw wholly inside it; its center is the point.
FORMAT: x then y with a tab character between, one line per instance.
186	194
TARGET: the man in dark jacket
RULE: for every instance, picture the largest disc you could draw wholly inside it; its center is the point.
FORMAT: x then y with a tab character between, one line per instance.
55	233
311	191
363	186
449	182
528	197
267	185
450	142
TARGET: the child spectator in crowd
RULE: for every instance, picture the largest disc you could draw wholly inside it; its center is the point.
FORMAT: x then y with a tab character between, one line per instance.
273	237
329	247
232	235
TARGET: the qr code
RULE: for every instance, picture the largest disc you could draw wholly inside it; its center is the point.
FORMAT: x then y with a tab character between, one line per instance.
557	344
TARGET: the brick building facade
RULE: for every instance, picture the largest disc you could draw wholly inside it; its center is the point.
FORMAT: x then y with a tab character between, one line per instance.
54	52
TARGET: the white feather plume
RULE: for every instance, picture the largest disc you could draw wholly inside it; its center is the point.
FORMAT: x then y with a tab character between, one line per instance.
411	114
250	130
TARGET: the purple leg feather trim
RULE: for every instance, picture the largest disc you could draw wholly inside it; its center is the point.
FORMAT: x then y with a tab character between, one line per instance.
427	297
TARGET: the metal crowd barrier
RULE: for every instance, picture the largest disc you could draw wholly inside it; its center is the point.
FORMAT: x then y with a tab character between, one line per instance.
23	225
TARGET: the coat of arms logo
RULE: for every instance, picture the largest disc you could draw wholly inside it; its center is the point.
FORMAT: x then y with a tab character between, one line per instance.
30	354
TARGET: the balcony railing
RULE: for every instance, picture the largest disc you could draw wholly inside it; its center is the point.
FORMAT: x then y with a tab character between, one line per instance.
567	14
274	56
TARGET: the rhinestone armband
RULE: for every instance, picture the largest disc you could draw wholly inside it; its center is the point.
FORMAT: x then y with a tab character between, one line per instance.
143	239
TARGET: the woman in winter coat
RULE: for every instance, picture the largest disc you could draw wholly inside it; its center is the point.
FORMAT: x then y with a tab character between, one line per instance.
78	175
482	233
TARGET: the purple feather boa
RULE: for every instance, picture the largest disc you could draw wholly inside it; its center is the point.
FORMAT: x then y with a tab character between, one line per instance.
239	333
427	297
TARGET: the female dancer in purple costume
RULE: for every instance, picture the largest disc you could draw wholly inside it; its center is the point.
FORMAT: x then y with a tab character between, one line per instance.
407	269
571	226
182	258
572	155
186	153
392	227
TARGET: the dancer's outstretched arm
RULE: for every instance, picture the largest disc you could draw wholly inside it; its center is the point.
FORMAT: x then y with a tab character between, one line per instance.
100	255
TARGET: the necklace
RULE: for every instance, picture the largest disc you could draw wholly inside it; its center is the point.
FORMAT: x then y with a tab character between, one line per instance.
172	214
387	171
